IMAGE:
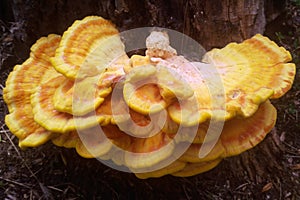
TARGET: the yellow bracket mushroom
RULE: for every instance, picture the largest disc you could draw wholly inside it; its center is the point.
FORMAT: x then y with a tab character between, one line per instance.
150	88
248	77
146	106
83	38
19	87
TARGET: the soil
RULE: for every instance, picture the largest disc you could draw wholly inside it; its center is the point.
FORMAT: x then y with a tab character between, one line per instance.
50	172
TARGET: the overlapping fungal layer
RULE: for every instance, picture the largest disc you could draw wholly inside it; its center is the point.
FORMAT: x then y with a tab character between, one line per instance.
21	84
146	106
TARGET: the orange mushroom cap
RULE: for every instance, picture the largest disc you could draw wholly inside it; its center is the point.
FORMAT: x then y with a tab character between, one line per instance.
87	43
149	88
135	153
148	152
53	120
191	155
85	95
93	144
248	77
199	137
238	135
141	96
19	87
88	146
67	140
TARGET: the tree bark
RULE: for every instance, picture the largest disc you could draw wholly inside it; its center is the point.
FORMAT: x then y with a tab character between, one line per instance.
221	22
212	23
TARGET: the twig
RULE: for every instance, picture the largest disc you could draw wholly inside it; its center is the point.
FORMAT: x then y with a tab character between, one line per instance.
280	190
54	188
292	156
291	146
13	145
15	182
240	186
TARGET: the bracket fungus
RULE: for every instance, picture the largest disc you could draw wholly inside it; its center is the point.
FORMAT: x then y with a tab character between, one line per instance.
248	77
20	85
83	38
147	107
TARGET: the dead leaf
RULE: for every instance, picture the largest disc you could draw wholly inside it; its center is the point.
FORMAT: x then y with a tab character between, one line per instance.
295	167
267	187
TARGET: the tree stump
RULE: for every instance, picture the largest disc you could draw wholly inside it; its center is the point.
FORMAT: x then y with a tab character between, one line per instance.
212	24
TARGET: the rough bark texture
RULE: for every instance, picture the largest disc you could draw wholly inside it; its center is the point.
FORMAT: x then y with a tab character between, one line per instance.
223	21
212	23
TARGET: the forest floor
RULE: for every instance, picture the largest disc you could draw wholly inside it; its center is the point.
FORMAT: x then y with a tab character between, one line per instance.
50	172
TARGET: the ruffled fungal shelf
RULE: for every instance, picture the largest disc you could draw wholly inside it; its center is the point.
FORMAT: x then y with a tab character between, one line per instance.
146	106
